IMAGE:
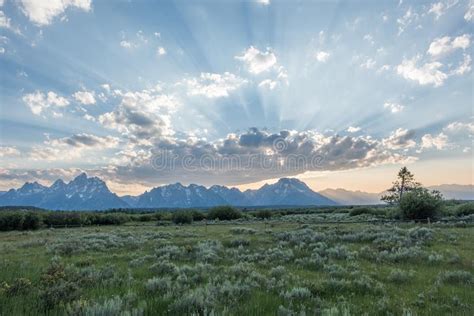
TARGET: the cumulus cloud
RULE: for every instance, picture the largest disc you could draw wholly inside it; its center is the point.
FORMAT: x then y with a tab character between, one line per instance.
434	72
322	56
437	9
445	45
368	64
440	8
106	87
72	147
384	68
38	101
268	84
393	107
427	74
160	51
429	141
86	140
369	38
5	22
460	127
400	139
264	2
85	97
15	178
353	129
8	151
469	16
142	115
214	85
258	61
126	44
407	19
43	12
464	66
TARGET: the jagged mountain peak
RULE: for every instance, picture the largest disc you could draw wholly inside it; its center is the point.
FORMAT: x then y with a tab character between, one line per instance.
58	184
289	181
81	193
285	182
31	187
81	177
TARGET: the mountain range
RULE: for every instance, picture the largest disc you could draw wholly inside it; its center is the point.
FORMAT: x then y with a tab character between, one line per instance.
82	193
91	193
345	197
284	192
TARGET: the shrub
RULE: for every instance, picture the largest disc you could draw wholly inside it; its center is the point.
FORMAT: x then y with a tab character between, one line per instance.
420	204
60	292
242	230
198	216
456	277
31	221
465	209
63	218
158	285
224	213
196	302
11	221
146	218
110	219
18	287
164	268
362	210
400	276
114	306
208	251
182	217
278	272
297	294
238	243
264	214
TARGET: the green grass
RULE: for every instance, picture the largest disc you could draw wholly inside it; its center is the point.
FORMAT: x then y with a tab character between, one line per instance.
366	288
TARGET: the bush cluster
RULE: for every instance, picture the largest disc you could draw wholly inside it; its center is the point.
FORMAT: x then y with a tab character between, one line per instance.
30	220
182	217
421	204
19	221
465	209
363	210
223	213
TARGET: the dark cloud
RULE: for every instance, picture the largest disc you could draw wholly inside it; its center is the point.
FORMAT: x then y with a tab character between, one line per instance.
252	156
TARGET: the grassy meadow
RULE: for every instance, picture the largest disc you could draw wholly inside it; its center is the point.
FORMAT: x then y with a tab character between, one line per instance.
293	265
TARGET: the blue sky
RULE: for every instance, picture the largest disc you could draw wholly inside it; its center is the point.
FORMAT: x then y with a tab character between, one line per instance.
106	86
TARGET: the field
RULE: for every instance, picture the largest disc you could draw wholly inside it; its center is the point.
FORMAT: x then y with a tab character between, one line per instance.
293	265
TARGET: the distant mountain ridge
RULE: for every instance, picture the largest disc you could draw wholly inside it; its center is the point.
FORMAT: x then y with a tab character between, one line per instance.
85	193
455	191
82	193
346	197
291	192
91	193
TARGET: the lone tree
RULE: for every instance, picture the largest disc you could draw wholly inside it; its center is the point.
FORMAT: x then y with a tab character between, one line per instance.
405	183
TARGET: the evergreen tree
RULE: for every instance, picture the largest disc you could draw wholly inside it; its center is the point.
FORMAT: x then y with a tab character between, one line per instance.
405	183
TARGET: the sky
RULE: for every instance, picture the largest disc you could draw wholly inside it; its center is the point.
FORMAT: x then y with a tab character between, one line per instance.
340	94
